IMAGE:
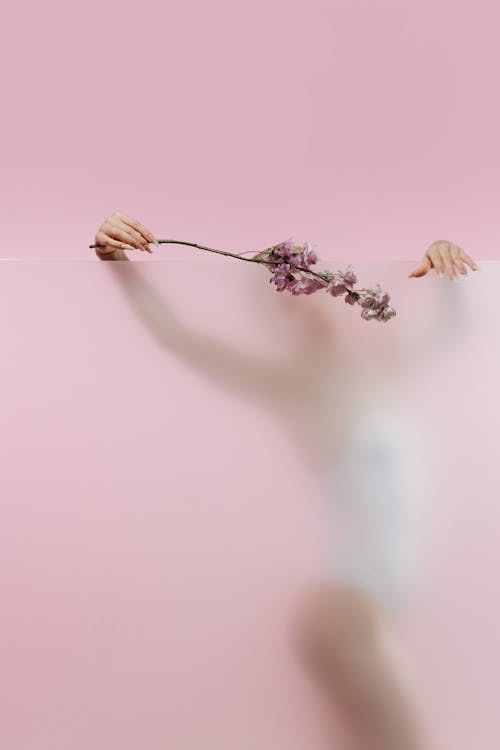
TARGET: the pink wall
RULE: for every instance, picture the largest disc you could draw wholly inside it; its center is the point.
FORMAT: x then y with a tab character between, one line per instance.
133	564
367	127
158	525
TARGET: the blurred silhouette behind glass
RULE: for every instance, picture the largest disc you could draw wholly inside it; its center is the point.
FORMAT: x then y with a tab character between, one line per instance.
341	389
157	530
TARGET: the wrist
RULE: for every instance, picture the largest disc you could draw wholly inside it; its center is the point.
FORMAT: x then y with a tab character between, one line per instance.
116	254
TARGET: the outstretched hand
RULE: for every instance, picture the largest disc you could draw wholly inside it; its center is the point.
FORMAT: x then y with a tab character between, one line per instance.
444	256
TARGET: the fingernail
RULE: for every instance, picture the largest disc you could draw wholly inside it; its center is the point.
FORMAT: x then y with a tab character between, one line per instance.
455	280
441	275
156	242
149	250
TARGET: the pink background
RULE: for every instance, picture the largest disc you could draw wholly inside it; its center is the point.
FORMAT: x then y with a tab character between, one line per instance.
369	127
141	606
157	528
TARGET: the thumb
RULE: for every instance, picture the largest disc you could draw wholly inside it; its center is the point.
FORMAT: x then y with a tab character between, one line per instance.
422	269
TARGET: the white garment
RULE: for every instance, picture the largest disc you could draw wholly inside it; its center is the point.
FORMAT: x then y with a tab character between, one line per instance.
376	491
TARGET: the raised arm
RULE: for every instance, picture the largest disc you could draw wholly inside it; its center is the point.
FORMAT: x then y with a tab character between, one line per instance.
266	378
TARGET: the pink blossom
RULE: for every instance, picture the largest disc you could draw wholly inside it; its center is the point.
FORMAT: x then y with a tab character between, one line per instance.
306	257
383	314
337	287
299	286
291	274
349	276
280	280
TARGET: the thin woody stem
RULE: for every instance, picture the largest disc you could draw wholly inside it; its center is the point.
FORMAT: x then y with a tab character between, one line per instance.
256	259
210	249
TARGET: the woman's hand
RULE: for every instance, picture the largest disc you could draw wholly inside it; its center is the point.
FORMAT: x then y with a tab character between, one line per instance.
444	256
119	232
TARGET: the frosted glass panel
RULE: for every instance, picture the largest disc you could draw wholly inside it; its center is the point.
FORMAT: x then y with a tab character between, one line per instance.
186	451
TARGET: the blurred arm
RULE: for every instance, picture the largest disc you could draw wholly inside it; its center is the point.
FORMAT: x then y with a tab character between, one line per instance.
264	377
443	327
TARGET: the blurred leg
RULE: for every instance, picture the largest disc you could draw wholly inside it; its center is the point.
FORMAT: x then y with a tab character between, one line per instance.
347	644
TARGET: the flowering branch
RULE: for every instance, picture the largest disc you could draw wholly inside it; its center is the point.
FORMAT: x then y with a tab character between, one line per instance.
285	259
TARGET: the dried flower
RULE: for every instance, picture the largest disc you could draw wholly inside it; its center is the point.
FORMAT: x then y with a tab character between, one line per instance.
295	276
290	266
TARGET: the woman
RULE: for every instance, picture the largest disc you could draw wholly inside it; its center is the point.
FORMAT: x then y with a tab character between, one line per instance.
366	461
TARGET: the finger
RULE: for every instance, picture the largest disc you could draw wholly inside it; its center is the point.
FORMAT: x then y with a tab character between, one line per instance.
102	238
146	233
117	232
124	232
467	259
437	261
446	257
456	255
135	238
422	269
